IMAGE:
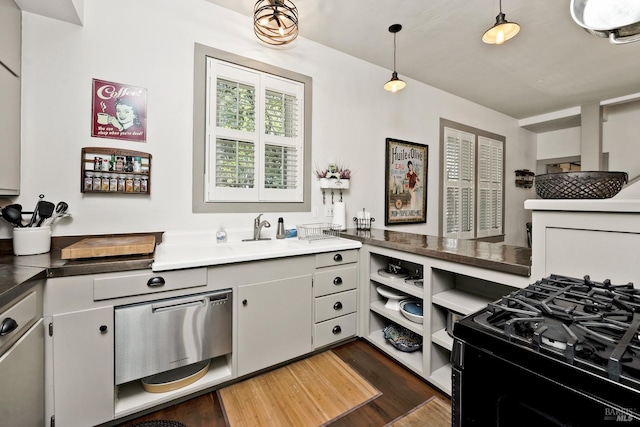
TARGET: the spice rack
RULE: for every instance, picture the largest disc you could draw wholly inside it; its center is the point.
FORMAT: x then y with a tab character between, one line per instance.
115	171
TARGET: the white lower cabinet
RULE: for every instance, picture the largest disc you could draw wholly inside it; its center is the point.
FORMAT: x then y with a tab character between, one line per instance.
274	322
83	367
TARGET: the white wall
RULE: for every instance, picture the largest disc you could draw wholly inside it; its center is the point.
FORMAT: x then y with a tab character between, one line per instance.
149	43
620	136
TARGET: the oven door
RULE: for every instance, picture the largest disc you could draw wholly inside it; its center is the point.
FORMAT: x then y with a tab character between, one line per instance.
162	335
490	391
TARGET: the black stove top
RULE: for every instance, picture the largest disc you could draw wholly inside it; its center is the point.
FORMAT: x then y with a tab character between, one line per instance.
591	325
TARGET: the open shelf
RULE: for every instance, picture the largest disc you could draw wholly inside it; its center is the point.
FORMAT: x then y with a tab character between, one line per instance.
396	317
132	397
412	360
442	378
460	301
398	284
443	339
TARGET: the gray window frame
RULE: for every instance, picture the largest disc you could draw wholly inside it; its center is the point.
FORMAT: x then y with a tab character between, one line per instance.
201	52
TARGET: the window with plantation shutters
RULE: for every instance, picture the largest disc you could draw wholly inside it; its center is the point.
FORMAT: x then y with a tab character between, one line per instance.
254	136
473	174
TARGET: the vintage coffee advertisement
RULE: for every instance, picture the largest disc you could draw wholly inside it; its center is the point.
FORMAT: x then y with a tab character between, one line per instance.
406	182
119	111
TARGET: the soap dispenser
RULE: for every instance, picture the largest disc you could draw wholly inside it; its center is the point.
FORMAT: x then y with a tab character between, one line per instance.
221	235
280	232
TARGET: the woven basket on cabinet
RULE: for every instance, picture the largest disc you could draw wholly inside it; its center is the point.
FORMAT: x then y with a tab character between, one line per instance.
580	185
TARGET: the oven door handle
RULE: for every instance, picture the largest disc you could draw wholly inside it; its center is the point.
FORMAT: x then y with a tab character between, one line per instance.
170	306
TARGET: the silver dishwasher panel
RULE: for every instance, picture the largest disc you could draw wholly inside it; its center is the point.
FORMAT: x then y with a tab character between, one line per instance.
158	336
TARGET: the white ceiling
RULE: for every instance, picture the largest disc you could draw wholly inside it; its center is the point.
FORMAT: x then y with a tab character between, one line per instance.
551	65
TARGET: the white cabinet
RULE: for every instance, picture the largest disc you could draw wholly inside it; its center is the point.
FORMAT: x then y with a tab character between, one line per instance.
10	58
336	297
83	367
274	322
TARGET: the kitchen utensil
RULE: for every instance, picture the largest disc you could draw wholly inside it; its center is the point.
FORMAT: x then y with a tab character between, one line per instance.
618	21
61	210
45	210
12	215
34	216
412	309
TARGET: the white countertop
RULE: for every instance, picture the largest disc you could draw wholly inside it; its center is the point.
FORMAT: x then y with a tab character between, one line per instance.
188	250
584	205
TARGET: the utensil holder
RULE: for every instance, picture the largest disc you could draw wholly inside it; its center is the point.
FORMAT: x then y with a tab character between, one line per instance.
31	240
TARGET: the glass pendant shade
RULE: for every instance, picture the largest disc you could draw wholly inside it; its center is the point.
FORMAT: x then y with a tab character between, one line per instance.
275	22
395	84
501	31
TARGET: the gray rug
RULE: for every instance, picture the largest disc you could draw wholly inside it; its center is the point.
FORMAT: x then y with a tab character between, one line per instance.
159	423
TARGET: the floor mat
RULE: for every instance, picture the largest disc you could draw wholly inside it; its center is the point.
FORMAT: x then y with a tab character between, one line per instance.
310	392
432	413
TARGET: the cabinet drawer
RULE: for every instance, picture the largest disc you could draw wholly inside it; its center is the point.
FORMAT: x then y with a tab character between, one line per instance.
334	330
335	305
147	282
334	280
20	316
336	258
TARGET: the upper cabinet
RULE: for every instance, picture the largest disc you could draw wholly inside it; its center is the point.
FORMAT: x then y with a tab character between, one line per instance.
10	58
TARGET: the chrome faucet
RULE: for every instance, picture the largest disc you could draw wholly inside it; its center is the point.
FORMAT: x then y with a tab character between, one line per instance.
257	227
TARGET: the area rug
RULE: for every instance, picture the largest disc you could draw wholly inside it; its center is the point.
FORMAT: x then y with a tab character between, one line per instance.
311	392
432	413
159	423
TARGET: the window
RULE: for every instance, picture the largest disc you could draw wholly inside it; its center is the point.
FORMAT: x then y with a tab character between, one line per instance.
473	175
252	138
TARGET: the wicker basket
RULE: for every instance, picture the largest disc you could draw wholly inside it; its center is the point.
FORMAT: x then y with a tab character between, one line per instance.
580	185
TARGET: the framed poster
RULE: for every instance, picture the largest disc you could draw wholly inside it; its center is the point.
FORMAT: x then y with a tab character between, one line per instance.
118	111
405	182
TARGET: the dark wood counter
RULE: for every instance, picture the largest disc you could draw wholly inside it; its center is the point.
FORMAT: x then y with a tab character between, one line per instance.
493	256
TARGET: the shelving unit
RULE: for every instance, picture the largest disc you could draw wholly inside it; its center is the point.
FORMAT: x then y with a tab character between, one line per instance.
445	288
111	171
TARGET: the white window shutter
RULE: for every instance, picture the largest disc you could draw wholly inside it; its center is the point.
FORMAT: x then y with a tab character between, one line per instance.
459	183
490	188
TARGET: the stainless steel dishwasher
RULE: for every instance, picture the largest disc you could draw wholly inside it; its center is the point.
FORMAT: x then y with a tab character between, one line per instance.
158	336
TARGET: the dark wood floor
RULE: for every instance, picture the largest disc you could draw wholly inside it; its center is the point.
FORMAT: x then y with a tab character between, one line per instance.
401	391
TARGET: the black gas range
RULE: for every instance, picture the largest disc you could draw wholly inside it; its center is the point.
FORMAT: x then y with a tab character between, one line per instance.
563	351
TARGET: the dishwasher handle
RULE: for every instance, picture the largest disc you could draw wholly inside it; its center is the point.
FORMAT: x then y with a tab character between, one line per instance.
172	306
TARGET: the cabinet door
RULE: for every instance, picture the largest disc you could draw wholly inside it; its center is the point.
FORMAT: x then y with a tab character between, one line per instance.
9	133
11	36
274	322
83	367
22	376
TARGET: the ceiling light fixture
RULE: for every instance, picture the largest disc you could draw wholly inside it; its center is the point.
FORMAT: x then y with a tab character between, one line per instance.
275	22
502	31
395	84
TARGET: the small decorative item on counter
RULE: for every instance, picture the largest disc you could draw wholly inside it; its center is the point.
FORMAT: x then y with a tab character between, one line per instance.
292	232
363	220
280	232
221	235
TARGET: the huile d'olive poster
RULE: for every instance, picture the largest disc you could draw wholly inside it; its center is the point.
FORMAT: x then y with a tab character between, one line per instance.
405	182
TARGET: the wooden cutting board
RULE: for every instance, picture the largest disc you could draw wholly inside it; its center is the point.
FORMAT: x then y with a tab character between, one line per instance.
96	247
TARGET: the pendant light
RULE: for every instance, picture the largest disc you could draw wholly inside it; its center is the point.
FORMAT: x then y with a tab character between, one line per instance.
395	84
275	22
502	30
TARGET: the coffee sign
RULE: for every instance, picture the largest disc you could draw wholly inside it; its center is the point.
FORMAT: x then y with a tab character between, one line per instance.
118	111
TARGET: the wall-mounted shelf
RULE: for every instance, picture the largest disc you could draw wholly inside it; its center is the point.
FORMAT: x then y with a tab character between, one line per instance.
115	171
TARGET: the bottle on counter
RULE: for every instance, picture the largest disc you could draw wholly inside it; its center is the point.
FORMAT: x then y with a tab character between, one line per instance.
221	235
280	231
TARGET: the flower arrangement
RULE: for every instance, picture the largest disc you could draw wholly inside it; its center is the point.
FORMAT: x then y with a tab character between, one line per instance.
333	171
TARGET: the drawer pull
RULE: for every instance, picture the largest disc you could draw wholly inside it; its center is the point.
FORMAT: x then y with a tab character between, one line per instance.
337	257
103	329
336	330
8	325
337	306
156	282
244	302
337	281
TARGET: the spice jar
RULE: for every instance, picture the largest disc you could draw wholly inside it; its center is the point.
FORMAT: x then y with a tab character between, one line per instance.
136	184
121	183
113	183
105	183
144	185
97	182
88	181
128	184
137	164
119	163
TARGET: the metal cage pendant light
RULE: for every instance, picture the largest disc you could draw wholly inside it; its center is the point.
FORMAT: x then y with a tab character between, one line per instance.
501	31
395	84
275	22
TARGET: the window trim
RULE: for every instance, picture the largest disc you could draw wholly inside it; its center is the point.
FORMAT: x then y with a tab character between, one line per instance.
444	123
199	155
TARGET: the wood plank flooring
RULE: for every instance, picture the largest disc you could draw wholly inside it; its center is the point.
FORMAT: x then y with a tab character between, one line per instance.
401	392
